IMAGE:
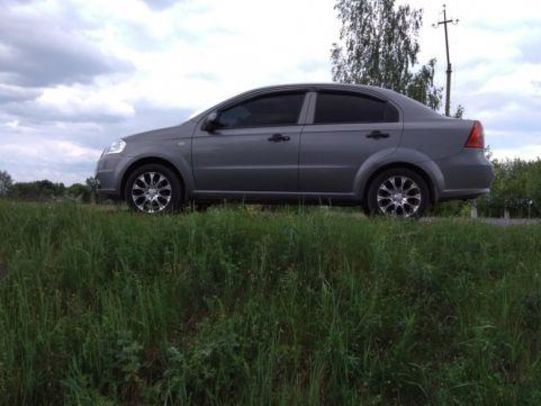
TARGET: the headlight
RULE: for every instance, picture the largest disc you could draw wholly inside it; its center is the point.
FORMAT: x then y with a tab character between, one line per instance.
116	147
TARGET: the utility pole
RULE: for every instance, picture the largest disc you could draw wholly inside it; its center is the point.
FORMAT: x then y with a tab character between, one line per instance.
448	93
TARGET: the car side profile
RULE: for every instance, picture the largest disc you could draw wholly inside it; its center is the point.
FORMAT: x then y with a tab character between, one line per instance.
329	143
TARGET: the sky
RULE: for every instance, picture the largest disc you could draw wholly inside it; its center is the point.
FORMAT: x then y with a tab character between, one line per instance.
77	74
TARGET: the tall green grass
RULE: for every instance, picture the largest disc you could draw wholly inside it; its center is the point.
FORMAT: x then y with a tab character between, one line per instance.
294	307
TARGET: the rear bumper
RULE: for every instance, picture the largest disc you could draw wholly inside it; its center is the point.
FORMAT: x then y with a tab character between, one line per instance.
463	194
466	175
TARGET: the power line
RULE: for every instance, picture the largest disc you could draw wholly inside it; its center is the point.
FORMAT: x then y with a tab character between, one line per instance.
449	70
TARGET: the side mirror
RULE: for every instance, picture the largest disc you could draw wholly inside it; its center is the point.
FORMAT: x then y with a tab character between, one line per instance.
211	122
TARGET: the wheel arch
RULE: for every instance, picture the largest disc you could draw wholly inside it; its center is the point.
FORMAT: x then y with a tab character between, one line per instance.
408	165
147	161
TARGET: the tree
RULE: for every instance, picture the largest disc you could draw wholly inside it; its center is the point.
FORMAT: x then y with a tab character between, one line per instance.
459	113
5	183
378	46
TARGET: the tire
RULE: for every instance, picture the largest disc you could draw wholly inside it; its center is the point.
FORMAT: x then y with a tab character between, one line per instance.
153	189
399	192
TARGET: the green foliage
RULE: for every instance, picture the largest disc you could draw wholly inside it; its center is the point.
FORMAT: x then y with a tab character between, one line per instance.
459	113
517	187
45	190
6	182
244	307
79	192
41	190
453	208
378	46
421	86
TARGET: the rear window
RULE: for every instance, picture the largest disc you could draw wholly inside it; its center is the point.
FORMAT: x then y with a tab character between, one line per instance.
336	108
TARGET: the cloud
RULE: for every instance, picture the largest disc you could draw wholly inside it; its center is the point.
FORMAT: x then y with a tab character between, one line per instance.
529	152
160	4
41	52
9	94
71	104
33	158
530	47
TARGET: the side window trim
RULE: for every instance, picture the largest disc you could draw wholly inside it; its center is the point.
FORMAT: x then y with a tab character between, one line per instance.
277	93
313	104
311	107
305	114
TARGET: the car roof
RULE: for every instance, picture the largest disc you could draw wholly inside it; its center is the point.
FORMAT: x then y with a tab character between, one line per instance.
320	86
374	90
317	85
410	108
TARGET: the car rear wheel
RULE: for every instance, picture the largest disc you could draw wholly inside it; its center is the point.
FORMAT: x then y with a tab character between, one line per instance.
398	192
153	189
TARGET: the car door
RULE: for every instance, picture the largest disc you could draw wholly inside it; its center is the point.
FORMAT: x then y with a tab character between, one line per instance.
346	129
254	148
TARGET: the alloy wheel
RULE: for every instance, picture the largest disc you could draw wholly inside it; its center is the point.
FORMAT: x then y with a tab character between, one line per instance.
399	196
151	192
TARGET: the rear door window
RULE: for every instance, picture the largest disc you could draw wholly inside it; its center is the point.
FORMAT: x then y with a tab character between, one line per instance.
343	108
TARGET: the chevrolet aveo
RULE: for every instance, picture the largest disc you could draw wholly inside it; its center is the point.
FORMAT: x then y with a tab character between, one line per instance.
328	143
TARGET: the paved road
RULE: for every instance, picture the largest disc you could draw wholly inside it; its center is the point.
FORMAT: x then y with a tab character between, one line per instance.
495	221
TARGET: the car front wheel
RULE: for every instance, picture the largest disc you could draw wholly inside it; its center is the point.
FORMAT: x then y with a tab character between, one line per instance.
153	189
398	192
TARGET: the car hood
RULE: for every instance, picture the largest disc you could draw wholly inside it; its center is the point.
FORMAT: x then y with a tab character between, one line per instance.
183	130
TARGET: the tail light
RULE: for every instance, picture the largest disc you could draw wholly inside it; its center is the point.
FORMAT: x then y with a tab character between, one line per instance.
476	138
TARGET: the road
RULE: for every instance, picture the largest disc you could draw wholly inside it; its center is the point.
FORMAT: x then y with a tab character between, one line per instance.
492	220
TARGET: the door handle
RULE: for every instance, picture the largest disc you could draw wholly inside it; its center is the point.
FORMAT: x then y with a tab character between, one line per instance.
278	137
376	134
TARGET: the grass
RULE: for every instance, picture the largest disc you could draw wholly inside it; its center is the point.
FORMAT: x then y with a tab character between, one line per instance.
293	307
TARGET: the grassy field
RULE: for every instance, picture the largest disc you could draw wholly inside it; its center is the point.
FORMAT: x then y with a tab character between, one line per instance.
238	306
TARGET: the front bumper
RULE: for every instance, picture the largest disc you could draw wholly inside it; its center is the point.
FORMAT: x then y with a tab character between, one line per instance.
109	171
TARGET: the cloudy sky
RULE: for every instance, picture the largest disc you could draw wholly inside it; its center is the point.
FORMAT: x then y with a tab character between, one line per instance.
77	74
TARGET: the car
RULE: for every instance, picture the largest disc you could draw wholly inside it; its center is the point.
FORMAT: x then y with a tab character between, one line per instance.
313	143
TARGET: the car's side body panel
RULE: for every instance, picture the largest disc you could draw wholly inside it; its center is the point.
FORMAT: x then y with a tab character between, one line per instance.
331	155
436	140
245	160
